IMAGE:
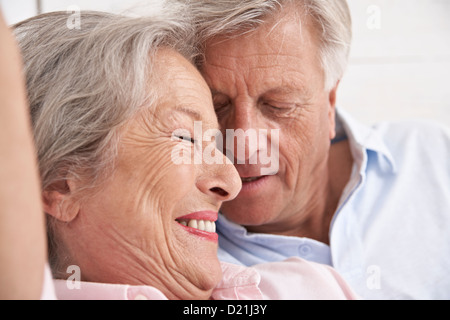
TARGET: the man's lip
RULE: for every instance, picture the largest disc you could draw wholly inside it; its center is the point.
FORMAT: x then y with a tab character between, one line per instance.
252	179
250	171
253	188
245	176
201	215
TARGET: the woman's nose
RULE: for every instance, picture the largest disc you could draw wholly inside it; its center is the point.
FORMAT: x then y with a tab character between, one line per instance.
220	181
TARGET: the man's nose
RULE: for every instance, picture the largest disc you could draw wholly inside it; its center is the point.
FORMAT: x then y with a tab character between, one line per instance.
242	134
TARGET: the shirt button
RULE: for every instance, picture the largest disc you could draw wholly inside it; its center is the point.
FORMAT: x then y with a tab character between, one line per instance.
140	297
304	250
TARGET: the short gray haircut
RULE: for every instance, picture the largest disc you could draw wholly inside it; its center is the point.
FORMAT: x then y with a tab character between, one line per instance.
84	84
331	18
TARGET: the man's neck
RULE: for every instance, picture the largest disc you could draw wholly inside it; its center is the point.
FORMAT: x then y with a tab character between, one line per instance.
340	162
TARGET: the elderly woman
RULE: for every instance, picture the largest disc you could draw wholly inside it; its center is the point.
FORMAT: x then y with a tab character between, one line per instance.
108	101
104	102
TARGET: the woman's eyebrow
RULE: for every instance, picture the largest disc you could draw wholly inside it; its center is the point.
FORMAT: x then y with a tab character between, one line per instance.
195	115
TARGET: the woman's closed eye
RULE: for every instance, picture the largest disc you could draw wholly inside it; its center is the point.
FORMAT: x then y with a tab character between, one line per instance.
183	135
186	138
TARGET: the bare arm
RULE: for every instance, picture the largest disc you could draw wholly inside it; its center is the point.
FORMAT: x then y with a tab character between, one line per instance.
22	231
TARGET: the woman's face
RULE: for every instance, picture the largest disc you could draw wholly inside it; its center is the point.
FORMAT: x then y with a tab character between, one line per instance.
134	230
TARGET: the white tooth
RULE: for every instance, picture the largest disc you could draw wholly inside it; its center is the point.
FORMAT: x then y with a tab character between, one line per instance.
193	224
204	225
208	226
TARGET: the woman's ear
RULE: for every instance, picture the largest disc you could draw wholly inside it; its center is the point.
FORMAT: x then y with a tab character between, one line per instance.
60	203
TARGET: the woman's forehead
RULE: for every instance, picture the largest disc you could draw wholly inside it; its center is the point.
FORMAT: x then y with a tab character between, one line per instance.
182	89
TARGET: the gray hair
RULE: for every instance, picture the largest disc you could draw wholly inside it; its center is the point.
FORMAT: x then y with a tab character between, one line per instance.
331	19
83	85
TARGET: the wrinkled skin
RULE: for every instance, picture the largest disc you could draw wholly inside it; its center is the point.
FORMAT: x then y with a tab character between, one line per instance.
272	78
128	232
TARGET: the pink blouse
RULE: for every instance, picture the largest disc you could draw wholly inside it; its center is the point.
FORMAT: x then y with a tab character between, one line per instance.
292	279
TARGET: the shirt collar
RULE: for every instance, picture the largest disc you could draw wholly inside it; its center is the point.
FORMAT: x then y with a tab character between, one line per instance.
238	283
364	138
82	290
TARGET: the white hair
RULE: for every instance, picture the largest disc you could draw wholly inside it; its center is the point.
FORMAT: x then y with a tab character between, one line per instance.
331	18
84	84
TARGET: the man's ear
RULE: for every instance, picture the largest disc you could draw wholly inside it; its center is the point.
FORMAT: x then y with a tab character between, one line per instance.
59	201
332	97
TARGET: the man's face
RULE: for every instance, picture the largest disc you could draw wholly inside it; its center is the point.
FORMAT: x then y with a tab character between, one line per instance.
272	79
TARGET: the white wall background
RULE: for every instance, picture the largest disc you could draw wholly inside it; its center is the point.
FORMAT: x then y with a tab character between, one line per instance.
400	60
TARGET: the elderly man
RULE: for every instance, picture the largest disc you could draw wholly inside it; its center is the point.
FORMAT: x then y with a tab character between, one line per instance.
374	202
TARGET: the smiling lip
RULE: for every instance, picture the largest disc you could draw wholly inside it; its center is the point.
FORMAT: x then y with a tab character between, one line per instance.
201	224
252	185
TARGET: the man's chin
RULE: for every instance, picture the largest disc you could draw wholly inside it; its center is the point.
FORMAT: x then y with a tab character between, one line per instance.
248	215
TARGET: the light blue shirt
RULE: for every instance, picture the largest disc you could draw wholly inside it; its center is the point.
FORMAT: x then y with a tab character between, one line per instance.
390	236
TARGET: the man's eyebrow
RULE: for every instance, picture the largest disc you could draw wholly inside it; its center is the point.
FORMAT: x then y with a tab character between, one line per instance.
288	90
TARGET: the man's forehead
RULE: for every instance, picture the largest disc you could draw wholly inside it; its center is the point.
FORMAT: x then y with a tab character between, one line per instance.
265	63
290	24
279	55
266	47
